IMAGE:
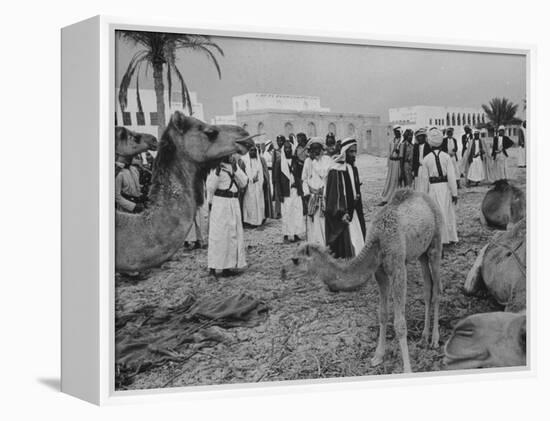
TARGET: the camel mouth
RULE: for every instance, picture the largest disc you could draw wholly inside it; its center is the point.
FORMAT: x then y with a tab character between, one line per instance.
246	143
462	362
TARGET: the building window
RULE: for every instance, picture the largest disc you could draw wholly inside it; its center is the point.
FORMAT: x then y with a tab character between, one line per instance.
514	131
351	129
448	119
154	116
463	118
332	128
430	123
289	128
458	120
311	129
140	117
483	118
126	118
368	136
453	120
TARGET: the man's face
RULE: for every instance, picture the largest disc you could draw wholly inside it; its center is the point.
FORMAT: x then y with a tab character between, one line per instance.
351	154
253	153
449	133
397	133
468	130
302	140
476	135
280	142
315	150
421	138
331	146
501	132
287	148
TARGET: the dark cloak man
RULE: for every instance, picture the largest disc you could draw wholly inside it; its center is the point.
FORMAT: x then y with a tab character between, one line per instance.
344	219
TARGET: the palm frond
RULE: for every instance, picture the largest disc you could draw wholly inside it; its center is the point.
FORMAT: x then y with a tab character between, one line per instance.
138	98
186	98
127	78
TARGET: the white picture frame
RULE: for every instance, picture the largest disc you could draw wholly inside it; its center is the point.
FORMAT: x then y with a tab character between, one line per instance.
88	103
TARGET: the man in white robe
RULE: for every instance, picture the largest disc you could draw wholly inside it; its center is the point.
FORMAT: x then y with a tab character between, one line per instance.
394	166
314	177
475	155
501	144
439	172
253	204
226	249
198	234
285	177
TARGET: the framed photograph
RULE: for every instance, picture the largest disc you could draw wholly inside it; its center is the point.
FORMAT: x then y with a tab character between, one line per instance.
243	210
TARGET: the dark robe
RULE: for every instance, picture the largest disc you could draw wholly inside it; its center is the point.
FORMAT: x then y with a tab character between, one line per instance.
276	193
301	155
338	204
506	143
417	158
472	151
282	184
465	139
267	190
445	147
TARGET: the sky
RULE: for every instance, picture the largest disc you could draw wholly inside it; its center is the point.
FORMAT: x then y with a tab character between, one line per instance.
347	78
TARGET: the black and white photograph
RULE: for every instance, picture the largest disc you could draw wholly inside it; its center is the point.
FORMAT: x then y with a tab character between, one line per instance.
297	210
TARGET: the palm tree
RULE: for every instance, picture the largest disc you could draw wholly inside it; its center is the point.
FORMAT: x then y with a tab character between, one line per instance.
500	111
159	51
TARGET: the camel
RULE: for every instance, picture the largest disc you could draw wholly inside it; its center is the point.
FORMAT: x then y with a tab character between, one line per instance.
404	230
187	148
500	267
494	339
485	340
129	143
503	204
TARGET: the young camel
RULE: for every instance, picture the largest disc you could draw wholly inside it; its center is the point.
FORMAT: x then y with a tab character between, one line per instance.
406	229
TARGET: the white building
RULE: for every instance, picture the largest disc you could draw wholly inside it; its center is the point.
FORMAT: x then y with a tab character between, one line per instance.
224	119
256	101
419	116
147	121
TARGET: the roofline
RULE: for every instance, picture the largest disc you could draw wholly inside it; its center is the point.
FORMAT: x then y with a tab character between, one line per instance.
325	113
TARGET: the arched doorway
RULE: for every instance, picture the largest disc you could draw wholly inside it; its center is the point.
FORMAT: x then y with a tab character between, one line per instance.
448	119
332	128
311	129
351	130
289	128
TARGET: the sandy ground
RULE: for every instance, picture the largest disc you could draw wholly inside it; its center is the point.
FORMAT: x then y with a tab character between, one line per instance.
310	332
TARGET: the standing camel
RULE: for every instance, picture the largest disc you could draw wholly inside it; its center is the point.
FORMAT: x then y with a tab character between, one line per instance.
405	230
129	143
187	147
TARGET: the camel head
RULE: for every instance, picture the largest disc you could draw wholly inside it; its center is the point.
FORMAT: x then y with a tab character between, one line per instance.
187	138
129	143
488	340
308	256
502	204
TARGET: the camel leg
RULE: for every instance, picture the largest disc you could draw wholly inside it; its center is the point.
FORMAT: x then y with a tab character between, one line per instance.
383	310
434	257
427	297
399	293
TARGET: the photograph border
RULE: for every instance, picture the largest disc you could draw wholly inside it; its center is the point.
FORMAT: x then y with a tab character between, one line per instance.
106	212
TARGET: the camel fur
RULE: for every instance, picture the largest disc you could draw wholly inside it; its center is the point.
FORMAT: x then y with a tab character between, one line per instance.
187	149
406	229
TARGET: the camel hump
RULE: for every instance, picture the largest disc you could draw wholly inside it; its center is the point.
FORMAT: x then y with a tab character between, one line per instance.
501	185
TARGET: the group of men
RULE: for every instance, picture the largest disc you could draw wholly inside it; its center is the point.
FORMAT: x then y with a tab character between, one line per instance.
313	185
429	161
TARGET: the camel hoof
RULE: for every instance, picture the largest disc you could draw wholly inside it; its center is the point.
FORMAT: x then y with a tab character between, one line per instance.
376	360
425	340
435	342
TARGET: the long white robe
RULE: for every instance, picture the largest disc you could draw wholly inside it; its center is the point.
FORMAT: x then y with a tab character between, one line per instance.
292	208
225	235
522	158
501	162
314	177
253	201
442	193
421	183
476	171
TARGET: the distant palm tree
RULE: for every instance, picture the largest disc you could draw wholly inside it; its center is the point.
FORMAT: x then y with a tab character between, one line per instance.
159	52
500	111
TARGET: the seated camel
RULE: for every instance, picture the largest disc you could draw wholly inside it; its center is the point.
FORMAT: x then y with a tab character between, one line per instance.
500	268
494	339
502	204
129	143
187	149
486	340
405	230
